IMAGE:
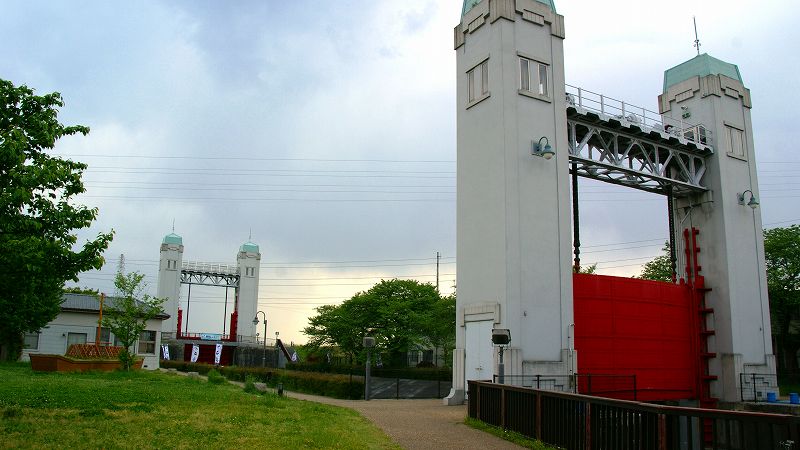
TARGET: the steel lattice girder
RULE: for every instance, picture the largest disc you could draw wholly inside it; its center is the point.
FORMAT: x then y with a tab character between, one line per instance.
209	278
634	158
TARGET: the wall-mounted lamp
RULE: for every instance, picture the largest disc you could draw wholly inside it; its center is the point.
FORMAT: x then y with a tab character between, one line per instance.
545	151
752	203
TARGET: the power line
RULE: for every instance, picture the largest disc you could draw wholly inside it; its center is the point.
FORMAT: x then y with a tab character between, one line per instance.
249	158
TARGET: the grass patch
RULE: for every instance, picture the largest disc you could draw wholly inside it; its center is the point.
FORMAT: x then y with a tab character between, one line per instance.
144	410
510	436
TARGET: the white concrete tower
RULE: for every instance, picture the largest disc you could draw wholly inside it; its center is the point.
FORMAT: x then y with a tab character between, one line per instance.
707	91
513	215
169	279
248	261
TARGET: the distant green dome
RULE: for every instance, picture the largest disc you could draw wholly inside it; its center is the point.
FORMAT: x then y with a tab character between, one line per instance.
249	247
700	65
469	4
173	239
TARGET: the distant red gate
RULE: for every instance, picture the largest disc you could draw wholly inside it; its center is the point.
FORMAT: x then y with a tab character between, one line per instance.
646	328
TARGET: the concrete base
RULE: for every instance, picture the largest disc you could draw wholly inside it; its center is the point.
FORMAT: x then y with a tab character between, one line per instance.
455	398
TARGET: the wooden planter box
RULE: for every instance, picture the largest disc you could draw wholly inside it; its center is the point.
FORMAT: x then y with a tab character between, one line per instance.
60	363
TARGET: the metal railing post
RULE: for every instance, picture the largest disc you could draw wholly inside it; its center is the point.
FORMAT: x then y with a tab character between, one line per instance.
580	97
602	104
755	399
634	387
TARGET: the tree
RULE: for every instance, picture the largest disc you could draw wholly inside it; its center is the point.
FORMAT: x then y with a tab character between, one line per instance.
659	268
81	290
439	325
782	257
588	269
38	216
397	313
128	315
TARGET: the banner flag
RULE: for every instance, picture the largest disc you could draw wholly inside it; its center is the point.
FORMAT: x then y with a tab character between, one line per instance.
165	350
195	352
217	354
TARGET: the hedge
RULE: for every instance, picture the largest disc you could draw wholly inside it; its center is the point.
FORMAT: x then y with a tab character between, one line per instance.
328	385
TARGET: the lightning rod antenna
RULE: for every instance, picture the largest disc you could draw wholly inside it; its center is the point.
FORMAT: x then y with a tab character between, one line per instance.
696	39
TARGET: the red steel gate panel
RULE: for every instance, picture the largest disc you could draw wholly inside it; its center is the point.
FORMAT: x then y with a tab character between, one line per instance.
628	326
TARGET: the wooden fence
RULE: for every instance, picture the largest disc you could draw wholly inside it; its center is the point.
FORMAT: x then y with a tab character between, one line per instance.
581	422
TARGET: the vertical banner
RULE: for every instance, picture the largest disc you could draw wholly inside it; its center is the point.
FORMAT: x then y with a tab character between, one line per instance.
195	352
165	351
217	354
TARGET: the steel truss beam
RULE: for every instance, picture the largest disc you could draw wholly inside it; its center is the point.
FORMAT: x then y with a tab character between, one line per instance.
209	278
644	159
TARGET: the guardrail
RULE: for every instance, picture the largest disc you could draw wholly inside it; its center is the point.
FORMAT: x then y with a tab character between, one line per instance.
635	115
603	385
195	266
581	422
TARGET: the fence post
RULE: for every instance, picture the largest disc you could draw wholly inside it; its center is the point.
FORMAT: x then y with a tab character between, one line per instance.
397	391
580	97
741	386
503	407
754	388
538	378
634	388
538	418
662	432
589	383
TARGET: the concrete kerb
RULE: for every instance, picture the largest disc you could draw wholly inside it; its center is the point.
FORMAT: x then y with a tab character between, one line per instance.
412	424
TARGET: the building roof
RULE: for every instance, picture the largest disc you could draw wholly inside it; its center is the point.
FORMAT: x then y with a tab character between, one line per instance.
249	247
700	65
173	238
91	304
469	4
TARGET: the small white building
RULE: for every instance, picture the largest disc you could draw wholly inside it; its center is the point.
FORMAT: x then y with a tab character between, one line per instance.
77	324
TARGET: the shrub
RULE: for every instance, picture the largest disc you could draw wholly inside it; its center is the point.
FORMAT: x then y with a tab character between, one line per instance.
249	385
214	377
330	385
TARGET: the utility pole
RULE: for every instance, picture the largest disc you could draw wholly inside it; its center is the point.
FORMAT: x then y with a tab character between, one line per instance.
438	255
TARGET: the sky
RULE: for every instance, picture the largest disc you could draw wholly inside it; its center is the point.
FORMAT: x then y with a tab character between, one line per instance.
325	132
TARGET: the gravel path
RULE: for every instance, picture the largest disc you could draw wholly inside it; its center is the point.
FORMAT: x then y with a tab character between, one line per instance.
419	424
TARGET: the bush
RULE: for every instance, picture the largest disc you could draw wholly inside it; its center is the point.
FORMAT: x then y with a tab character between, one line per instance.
215	377
330	385
250	385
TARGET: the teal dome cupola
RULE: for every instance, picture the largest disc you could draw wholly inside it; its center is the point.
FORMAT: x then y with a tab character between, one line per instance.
469	4
701	65
249	247
172	239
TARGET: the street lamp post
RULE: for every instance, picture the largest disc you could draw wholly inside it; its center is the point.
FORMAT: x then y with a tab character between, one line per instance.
255	322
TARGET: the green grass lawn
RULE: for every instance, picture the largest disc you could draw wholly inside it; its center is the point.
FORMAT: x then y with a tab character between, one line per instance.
145	410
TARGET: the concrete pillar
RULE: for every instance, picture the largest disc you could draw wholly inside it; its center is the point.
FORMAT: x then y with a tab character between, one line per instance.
169	279
707	91
248	261
513	214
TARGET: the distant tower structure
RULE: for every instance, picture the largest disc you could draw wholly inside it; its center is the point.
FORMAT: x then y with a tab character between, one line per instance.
243	278
169	278
711	92
248	260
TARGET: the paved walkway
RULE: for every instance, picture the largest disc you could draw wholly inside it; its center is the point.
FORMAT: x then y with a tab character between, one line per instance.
419	424
415	424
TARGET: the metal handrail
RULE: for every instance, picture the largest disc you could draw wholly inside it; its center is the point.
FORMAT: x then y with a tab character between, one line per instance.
195	266
635	115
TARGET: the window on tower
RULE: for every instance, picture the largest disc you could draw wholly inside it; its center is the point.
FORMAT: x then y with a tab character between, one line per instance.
736	145
478	81
533	78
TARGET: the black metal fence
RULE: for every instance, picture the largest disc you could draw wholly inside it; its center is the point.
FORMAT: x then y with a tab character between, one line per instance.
613	386
579	422
755	387
397	388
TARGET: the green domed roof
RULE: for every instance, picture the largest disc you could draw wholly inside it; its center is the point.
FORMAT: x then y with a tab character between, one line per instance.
249	247
173	238
469	4
700	65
